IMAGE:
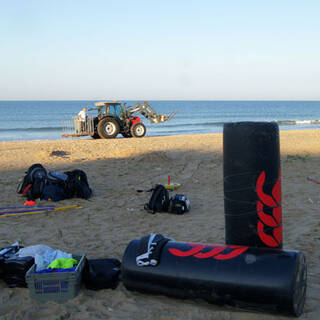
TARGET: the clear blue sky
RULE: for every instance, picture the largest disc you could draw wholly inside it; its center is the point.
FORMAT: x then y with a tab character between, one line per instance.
210	49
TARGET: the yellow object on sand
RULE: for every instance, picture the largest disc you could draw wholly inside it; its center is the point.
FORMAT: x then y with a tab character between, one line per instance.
172	186
43	211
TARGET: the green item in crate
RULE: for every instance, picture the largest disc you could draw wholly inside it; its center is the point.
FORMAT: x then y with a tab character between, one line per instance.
63	263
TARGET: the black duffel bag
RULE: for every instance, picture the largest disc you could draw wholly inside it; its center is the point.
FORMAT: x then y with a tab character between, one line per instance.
101	274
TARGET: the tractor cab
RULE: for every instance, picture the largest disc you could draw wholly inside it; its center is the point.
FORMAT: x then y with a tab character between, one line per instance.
113	109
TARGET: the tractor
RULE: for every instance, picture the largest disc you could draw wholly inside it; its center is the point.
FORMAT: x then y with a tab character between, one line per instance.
113	118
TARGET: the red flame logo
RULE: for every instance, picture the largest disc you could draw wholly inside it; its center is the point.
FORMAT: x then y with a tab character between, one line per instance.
275	220
204	251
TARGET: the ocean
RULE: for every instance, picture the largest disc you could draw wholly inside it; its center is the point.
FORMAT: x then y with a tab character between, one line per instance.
42	120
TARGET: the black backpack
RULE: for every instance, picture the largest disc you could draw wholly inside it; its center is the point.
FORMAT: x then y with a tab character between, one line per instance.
77	184
33	182
159	200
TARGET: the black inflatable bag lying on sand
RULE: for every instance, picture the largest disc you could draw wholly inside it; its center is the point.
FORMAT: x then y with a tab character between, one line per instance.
261	279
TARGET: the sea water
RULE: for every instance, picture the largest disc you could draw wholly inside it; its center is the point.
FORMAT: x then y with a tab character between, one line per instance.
39	120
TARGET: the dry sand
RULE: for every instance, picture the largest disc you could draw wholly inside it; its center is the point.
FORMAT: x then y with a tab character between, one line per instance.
115	215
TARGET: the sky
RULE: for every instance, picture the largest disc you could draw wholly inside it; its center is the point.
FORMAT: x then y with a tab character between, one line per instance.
160	50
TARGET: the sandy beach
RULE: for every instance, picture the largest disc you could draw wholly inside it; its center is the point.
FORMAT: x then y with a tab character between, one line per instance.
115	215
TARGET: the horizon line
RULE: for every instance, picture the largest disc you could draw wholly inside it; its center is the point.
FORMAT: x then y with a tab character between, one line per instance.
300	99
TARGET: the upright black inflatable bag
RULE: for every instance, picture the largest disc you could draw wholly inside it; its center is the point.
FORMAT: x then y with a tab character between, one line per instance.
252	184
256	278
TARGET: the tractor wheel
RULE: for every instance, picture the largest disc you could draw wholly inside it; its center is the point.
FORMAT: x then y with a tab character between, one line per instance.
138	130
108	128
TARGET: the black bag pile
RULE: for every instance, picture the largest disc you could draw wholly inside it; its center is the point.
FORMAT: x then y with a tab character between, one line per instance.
13	269
160	202
54	185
